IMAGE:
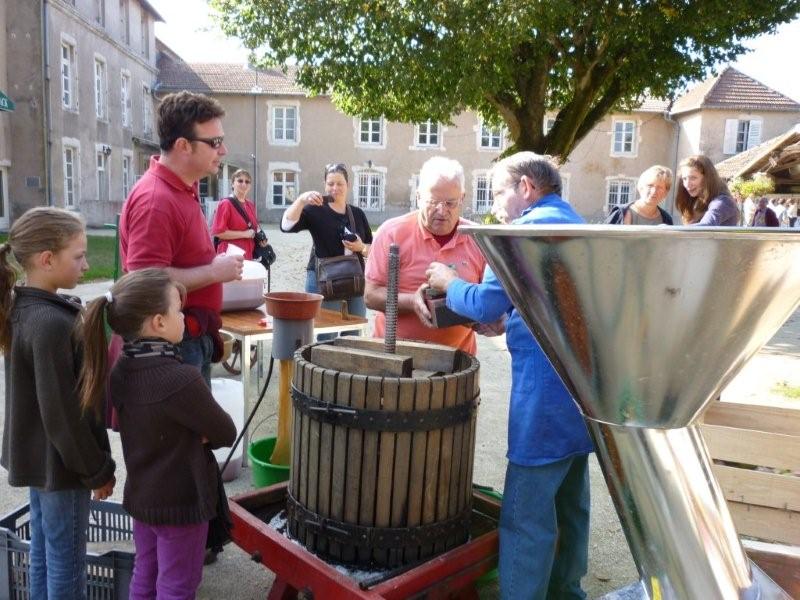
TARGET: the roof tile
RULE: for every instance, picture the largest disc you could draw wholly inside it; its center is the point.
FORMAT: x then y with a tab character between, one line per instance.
226	78
734	90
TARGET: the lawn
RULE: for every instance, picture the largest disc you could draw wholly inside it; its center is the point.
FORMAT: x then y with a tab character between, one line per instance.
100	255
789	391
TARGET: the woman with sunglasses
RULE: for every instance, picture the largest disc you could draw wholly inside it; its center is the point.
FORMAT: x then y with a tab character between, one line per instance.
230	227
326	219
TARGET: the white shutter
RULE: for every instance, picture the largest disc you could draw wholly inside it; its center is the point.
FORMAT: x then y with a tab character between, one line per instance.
729	145
754	133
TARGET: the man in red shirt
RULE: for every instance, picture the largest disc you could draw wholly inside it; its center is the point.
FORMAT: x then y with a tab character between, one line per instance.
427	235
162	223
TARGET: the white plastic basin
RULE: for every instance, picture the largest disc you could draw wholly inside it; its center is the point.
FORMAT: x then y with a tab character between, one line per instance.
228	394
248	292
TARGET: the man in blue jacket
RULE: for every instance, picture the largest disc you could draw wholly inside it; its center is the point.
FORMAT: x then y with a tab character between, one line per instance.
544	523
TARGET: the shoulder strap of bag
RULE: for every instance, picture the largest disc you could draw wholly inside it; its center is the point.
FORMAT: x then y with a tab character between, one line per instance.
353	229
240	209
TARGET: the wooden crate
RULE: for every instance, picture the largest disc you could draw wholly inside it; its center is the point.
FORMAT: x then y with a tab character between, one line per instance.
765	505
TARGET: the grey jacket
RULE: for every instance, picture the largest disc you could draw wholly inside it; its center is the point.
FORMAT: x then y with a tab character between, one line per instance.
47	442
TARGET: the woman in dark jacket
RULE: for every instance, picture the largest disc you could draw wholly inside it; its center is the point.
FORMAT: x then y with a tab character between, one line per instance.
326	218
653	186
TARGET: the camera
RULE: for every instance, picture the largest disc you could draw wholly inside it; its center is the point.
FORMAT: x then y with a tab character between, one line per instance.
347	235
260	236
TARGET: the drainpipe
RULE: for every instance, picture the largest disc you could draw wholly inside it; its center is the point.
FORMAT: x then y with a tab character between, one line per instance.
254	155
46	106
669	119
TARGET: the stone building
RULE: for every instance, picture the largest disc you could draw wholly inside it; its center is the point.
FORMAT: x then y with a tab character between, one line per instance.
82	128
81	73
285	138
7	108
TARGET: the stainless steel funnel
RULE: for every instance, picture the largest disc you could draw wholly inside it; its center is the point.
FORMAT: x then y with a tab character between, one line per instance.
646	325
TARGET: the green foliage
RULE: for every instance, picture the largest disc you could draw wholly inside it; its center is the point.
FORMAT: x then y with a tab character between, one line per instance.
99	253
510	60
487	219
760	185
735	187
784	389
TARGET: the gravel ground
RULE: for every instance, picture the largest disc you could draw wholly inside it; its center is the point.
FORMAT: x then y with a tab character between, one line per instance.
235	576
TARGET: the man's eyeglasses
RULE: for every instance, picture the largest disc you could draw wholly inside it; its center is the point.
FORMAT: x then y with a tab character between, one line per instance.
214	142
450	203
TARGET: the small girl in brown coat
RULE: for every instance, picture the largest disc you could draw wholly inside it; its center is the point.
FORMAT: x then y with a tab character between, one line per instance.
169	422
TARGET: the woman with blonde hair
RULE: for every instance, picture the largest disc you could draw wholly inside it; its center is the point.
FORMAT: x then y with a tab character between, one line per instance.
702	197
653	186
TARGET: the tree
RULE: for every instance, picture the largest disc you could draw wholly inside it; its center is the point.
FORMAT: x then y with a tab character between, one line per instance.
512	61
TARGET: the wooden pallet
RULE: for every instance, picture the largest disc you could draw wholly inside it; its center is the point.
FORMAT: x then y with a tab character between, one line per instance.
765	502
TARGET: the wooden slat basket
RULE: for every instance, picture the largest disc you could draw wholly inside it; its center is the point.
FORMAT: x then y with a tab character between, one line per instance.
756	452
382	450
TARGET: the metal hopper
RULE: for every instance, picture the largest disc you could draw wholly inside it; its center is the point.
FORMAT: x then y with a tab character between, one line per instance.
646	325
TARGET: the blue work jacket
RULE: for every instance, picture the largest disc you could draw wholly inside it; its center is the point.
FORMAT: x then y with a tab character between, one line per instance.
544	423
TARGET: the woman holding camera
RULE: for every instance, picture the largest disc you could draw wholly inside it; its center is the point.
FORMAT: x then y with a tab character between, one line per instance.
336	228
230	225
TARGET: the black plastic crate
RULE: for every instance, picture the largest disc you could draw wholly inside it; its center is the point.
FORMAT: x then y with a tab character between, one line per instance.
108	575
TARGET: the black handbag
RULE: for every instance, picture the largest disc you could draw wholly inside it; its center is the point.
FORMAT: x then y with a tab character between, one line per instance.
264	254
341	277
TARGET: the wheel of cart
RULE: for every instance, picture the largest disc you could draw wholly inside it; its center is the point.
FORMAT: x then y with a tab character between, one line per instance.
230	364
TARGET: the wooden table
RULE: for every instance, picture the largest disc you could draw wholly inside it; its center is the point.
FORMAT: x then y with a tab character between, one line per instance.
245	326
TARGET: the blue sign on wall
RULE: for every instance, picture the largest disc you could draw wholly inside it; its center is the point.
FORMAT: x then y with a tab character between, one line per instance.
6	103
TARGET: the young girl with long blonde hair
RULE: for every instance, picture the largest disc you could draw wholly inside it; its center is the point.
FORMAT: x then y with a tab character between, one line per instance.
49	444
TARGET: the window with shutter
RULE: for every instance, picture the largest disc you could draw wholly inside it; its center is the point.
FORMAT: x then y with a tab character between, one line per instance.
741	135
731	131
754	133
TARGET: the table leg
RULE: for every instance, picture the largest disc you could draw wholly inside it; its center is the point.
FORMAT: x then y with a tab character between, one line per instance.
245	364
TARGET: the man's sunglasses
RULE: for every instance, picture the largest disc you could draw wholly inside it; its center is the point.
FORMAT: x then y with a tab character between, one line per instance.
214	142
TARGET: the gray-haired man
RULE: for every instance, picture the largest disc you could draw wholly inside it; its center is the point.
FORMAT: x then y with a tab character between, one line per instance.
544	521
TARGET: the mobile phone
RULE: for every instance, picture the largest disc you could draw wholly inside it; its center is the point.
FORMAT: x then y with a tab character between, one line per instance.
326	199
